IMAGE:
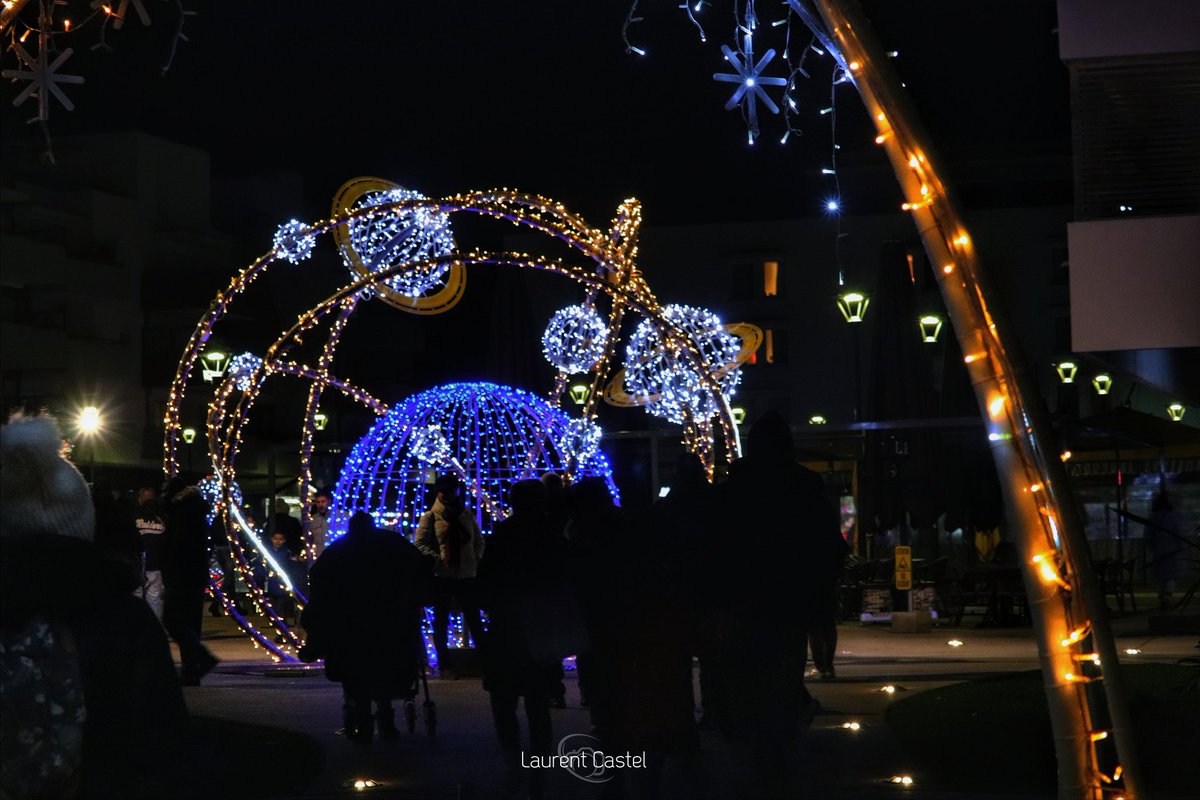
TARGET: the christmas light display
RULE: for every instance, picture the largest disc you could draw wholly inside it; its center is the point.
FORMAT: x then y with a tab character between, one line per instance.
670	386
574	339
411	237
1091	727
376	225
242	368
490	435
294	241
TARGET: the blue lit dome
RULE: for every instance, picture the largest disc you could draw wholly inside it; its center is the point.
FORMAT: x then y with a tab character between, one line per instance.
490	435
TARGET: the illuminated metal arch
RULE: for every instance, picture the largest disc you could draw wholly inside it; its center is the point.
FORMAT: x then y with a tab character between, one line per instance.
613	274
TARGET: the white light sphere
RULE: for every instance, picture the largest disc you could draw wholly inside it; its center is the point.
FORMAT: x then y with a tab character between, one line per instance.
389	239
574	339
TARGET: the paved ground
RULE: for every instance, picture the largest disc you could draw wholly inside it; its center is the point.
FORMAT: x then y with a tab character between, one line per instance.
462	759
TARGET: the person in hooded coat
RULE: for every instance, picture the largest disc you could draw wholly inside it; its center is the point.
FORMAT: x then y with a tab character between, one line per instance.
778	517
80	650
364	618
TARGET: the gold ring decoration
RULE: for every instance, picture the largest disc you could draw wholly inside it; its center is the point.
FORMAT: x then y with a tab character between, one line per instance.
750	335
443	299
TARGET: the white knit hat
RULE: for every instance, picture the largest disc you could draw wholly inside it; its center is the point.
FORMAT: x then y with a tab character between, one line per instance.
40	491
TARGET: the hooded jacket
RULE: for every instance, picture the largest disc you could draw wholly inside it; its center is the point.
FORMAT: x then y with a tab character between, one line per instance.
438	530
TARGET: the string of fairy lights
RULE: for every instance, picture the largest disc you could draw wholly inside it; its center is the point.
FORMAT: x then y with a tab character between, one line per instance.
397	246
1088	713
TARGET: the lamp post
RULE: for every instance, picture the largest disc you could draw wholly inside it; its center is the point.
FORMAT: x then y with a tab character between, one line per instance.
215	364
931	327
189	436
853	306
89	423
579	393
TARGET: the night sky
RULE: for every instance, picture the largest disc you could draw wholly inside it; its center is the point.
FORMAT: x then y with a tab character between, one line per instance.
541	96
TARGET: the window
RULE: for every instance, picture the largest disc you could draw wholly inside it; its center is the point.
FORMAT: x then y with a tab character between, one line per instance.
774	347
770	278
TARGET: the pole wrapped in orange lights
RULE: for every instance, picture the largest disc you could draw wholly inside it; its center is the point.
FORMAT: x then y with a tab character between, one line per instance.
1068	613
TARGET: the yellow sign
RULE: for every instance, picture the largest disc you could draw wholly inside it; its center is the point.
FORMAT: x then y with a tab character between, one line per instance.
903	567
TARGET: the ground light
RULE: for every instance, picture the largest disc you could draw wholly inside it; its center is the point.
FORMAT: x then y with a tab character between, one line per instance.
955	643
851	726
901	780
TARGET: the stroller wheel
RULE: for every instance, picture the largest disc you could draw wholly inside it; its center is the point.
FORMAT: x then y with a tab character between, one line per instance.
430	717
410	715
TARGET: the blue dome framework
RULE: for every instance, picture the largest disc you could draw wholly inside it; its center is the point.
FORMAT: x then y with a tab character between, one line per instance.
489	435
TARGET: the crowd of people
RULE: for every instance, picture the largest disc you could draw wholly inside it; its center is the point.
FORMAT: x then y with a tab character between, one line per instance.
727	574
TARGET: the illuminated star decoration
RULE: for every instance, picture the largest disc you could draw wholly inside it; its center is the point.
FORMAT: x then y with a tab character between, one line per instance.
43	78
751	82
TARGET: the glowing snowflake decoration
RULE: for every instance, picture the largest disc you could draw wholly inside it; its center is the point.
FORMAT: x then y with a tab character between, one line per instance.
294	241
429	445
389	239
581	441
750	80
574	339
653	368
242	368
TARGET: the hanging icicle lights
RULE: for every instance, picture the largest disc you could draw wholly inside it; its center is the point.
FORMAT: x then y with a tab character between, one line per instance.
575	338
655	371
381	217
490	435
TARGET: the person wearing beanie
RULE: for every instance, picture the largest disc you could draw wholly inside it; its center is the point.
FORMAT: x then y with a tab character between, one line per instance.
71	626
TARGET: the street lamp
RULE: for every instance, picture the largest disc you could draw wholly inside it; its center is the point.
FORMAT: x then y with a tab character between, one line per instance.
90	423
817	419
1176	411
189	435
1103	383
739	415
579	393
931	327
320	420
1066	371
216	363
853	306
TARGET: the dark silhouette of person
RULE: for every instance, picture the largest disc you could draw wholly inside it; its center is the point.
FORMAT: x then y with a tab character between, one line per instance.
556	510
185	576
92	707
671	587
524	588
599	546
364	618
780	516
1166	540
449	534
116	532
